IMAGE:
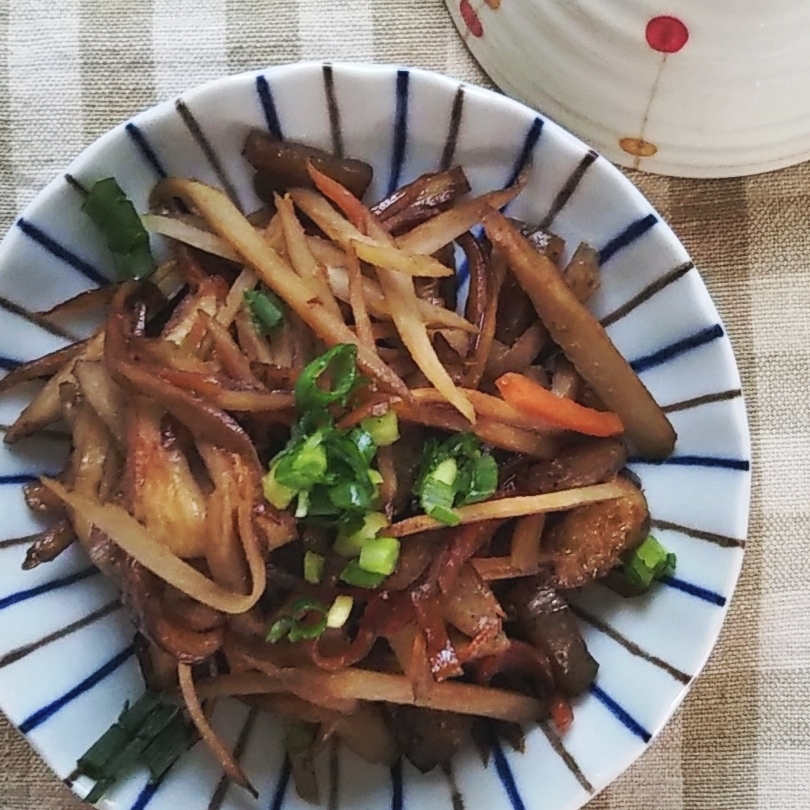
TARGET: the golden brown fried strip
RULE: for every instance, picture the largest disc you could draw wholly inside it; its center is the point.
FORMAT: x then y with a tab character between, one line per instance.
210	737
302	298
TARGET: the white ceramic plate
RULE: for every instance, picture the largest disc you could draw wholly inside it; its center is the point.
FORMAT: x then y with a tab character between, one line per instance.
66	662
687	88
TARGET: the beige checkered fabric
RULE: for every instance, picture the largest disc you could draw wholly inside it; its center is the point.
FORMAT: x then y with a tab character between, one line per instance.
70	69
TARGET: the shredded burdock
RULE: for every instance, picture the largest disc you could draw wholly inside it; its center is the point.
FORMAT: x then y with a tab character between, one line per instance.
325	485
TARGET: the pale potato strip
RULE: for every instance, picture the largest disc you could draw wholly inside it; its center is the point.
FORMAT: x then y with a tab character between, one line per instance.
434	316
235	300
394	259
189	235
401	294
133	538
300	255
398	289
299	293
514	507
447	226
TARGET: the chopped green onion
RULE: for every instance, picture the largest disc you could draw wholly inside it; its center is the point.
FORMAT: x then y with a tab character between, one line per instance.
302	466
364	442
453	473
648	562
353	574
484	480
341	362
379	555
309	619
266	309
313	567
151	732
276	494
279	629
302	508
305	620
436	497
340	611
116	217
351	539
384	429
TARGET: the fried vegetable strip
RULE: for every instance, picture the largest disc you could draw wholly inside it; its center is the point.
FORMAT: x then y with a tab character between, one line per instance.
514	507
444	228
136	541
584	341
300	295
361	684
399	290
211	738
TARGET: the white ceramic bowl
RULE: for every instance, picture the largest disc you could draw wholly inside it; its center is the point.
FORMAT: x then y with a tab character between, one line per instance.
66	663
688	88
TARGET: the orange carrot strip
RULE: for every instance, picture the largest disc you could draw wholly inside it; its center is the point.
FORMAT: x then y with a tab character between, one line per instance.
532	399
355	211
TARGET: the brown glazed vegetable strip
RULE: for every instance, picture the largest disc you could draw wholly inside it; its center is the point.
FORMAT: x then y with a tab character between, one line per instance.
476	260
45	366
489	406
301	296
449	225
496	273
357	302
210	737
499	434
584	341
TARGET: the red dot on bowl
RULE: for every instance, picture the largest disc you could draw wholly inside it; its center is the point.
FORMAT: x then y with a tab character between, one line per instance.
666	34
471	19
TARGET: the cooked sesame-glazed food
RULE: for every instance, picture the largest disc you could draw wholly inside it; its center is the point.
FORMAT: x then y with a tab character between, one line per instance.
329	480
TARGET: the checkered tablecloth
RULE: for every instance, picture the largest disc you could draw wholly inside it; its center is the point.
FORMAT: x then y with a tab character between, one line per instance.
73	68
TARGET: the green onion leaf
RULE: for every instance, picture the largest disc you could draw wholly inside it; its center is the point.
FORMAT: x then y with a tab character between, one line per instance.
308	618
164	751
117	219
152	732
648	562
266	309
453	473
484	480
384	429
313	567
341	363
301	467
379	555
276	494
353	574
353	535
279	629
364	442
